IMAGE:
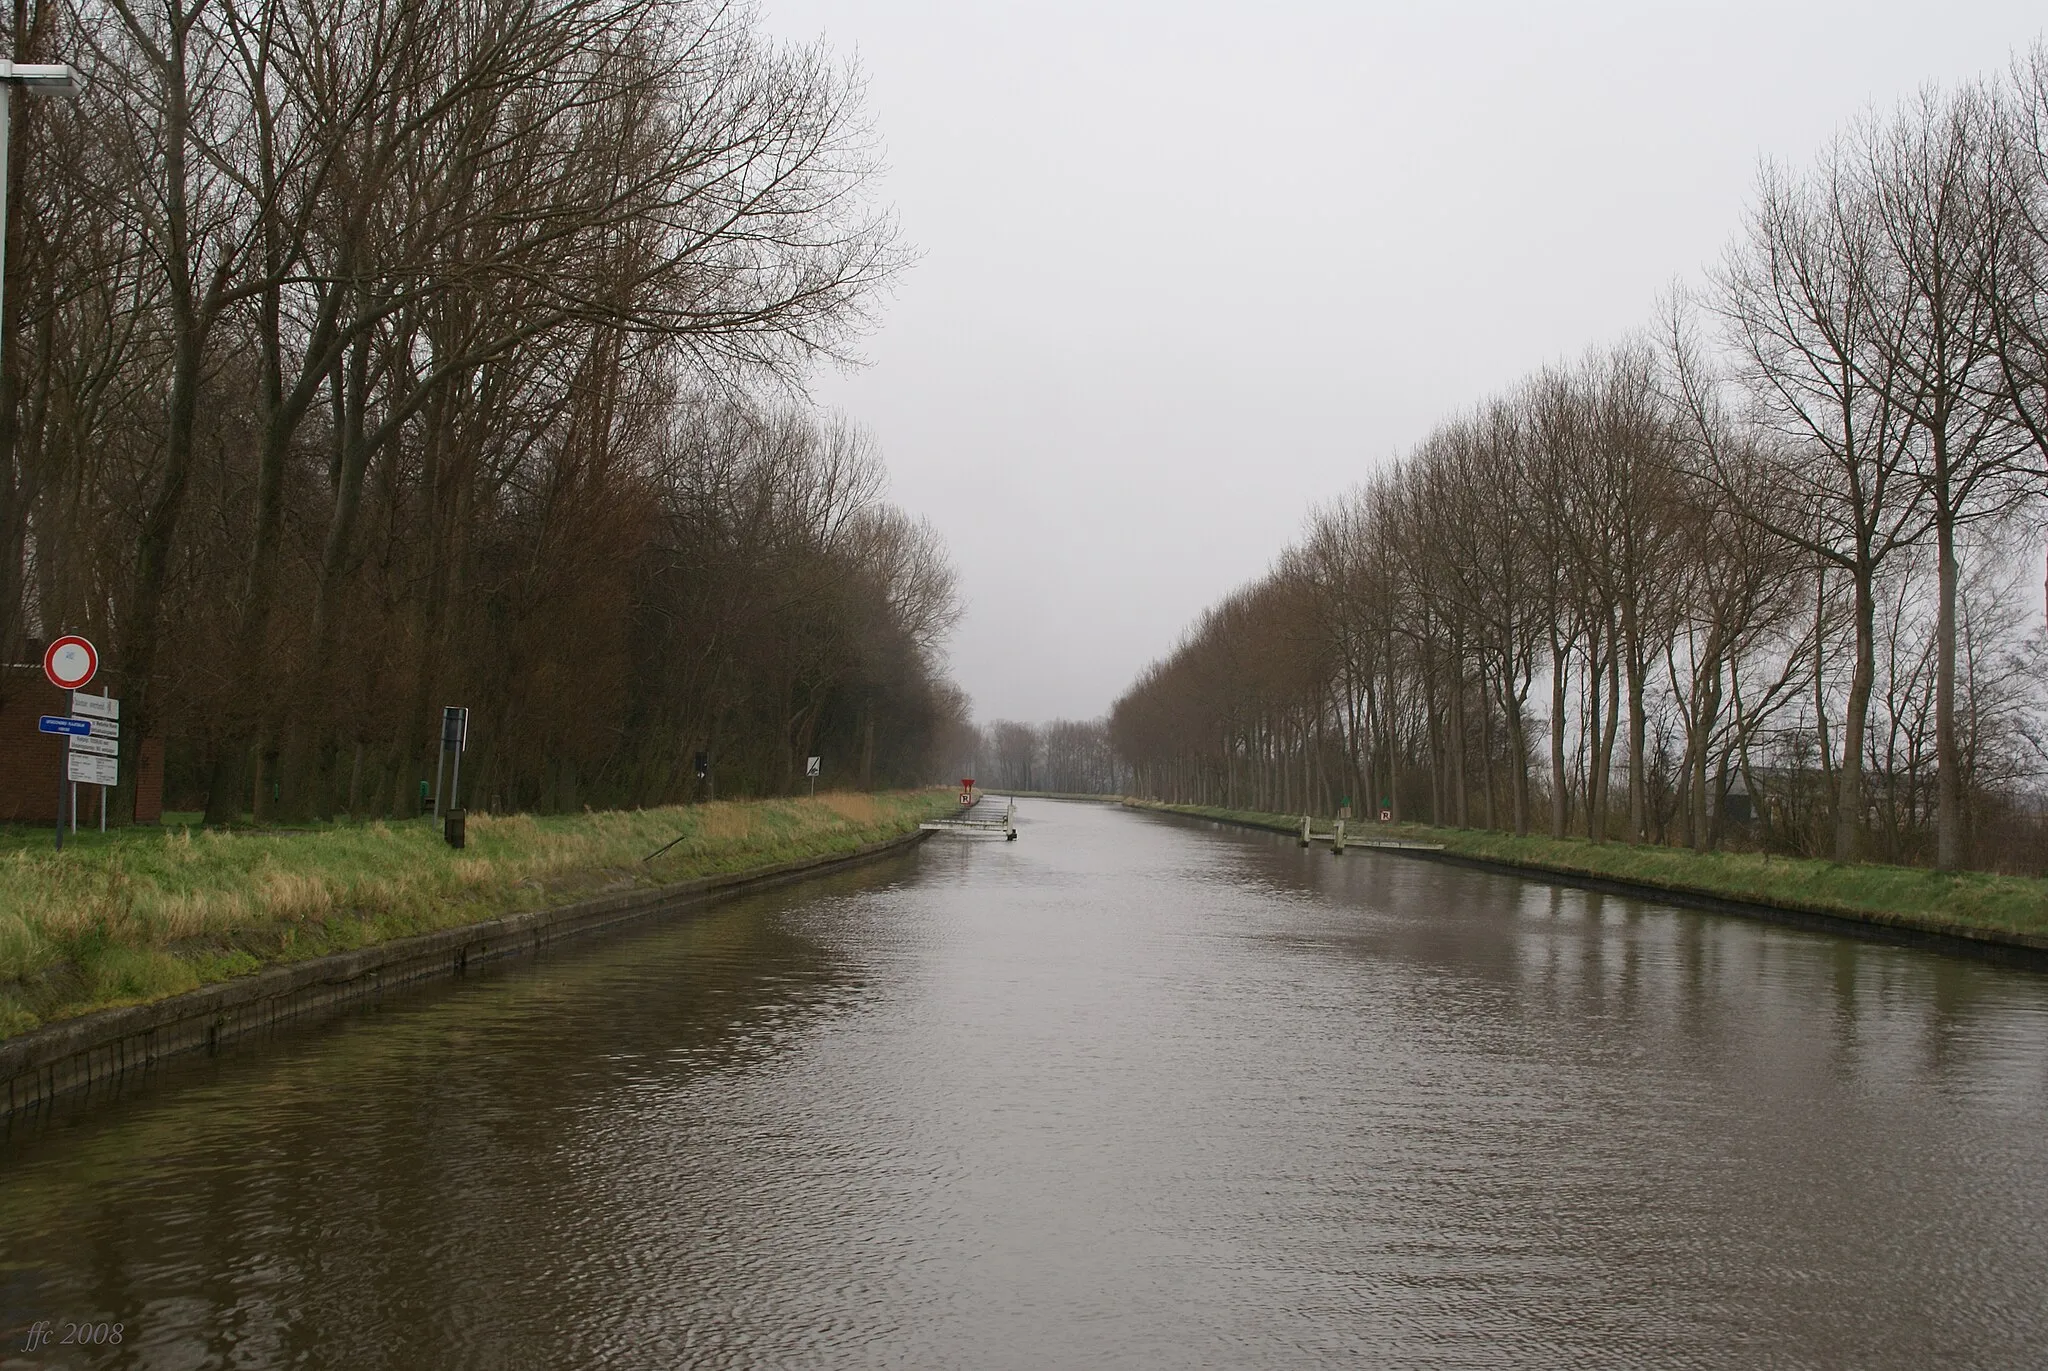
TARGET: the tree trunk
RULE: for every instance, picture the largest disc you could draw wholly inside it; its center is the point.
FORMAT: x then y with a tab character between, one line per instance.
1862	681
1948	756
191	320
1559	687
310	737
1638	739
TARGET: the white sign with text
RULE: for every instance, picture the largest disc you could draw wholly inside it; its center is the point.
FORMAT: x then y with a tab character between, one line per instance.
92	770
86	706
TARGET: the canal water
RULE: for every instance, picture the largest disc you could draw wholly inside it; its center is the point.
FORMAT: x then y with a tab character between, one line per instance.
1128	1092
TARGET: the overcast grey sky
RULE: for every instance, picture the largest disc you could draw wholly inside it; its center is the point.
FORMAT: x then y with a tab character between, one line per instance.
1188	269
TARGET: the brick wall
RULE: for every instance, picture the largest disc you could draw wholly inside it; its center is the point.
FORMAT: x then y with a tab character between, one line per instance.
31	760
149	782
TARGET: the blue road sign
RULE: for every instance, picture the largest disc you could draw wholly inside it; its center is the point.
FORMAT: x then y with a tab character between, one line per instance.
57	723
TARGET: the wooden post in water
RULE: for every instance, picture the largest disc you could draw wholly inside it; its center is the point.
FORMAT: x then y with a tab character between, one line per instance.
1337	846
1304	831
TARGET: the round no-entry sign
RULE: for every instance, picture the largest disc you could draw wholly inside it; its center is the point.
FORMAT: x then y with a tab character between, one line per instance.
70	662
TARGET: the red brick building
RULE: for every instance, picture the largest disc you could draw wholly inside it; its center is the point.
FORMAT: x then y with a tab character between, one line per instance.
31	761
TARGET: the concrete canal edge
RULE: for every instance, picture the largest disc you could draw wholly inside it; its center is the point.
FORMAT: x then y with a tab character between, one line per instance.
100	1048
2005	949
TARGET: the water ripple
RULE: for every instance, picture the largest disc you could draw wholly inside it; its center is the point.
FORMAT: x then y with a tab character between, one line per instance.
1126	1093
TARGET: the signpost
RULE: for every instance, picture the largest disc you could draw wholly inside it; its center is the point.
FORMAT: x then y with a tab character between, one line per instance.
811	770
101	714
69	662
966	790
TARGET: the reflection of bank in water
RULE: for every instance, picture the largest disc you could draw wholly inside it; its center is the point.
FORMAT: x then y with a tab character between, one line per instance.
973	823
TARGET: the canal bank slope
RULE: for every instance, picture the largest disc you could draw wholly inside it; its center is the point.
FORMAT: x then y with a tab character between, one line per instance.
115	954
2001	917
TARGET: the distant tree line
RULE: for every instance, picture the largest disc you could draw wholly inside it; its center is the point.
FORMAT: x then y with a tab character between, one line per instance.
1753	575
1070	756
362	358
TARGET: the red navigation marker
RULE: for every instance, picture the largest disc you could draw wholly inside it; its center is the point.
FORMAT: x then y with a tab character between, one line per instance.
967	783
70	662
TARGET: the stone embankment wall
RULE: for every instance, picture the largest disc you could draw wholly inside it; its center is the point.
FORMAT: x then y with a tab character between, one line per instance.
104	1048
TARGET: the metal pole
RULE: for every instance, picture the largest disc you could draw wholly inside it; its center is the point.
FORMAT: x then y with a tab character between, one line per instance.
440	764
7	78
6	137
50	79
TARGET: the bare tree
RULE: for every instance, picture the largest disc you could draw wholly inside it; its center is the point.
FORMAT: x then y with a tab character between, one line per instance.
1930	171
372	355
1796	294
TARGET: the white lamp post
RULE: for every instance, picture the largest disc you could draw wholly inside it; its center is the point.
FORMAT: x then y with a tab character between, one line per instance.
36	78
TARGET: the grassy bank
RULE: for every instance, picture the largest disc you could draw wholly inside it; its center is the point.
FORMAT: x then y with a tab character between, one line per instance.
143	913
1969	903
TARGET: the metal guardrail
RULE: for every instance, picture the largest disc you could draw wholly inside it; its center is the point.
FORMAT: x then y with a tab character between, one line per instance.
972	825
1339	840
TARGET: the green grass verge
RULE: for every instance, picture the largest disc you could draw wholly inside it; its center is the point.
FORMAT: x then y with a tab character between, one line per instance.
139	914
1970	903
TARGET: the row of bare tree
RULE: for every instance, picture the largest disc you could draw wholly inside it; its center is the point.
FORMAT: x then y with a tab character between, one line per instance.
1755	567
365	357
1066	756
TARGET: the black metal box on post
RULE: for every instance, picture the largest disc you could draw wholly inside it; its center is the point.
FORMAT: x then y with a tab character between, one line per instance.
455	739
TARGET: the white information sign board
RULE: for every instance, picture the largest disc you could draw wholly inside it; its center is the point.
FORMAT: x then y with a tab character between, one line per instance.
84	766
98	746
86	706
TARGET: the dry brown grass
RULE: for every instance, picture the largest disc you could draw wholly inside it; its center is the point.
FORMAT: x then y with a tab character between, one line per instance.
852	806
725	821
293	897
